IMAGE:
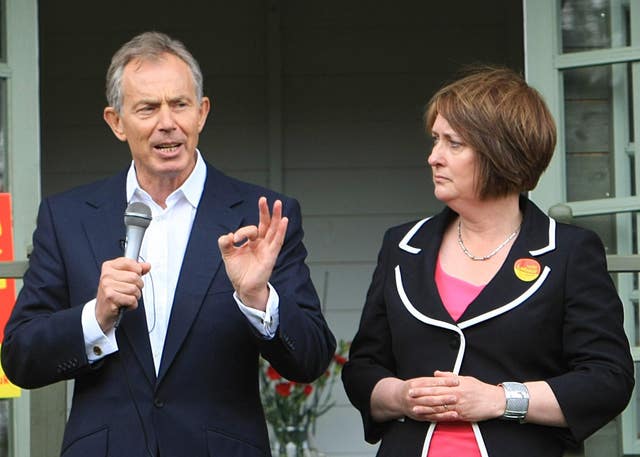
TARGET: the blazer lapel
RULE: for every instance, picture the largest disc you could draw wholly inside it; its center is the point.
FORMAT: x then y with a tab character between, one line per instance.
105	229
417	267
104	221
202	260
509	286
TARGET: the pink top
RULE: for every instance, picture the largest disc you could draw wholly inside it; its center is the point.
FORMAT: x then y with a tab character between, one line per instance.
454	438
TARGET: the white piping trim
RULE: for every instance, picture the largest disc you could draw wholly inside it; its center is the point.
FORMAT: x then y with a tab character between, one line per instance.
552	240
509	306
404	243
476	432
479	439
462	325
427	439
427	320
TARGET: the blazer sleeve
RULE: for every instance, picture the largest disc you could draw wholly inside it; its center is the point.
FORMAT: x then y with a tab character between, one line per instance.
599	379
303	345
370	357
43	340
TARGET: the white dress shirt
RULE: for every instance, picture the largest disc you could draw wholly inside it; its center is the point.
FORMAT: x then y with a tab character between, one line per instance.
163	246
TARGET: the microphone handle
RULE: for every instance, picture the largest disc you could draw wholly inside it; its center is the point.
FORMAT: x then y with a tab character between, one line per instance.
132	244
119	318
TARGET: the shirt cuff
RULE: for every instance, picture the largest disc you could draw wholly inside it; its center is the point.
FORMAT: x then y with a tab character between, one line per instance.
96	344
265	322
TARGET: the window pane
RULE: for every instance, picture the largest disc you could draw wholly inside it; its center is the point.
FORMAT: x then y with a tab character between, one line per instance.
588	24
597	125
5	416
4	427
3	133
598	119
3	28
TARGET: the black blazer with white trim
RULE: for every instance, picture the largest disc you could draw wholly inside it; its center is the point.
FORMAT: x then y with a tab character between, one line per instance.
551	313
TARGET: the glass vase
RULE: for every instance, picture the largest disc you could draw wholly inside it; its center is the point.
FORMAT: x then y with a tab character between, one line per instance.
292	441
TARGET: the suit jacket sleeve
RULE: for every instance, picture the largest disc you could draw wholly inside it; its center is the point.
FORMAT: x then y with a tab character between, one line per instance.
371	358
303	345
43	338
599	378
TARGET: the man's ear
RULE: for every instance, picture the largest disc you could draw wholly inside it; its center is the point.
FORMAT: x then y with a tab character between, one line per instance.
112	118
205	106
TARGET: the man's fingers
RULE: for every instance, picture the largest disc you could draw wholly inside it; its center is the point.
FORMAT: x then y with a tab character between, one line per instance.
243	234
281	232
274	229
265	216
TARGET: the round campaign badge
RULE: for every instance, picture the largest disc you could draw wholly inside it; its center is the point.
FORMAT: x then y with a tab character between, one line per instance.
527	269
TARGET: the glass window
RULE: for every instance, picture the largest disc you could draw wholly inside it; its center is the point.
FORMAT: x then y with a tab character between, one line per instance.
597	175
3	132
5	415
598	134
3	41
588	24
4	427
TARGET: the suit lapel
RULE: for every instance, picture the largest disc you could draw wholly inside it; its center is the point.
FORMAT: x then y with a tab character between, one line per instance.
418	270
202	260
104	222
507	287
105	229
417	273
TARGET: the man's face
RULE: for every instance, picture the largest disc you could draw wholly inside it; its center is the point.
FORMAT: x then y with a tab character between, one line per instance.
160	119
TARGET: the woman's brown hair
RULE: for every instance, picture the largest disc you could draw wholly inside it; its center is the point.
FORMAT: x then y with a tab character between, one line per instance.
505	121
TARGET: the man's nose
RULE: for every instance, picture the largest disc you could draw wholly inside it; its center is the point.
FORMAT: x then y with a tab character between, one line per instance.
166	119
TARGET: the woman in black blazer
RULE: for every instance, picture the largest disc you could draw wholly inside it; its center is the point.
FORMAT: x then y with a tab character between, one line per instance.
488	329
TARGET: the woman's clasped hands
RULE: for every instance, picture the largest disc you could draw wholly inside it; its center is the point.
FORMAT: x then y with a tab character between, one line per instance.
449	397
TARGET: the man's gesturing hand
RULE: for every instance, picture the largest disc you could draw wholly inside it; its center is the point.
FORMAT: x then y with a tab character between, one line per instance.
250	254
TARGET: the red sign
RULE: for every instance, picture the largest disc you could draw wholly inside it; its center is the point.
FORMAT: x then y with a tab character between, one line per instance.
7	286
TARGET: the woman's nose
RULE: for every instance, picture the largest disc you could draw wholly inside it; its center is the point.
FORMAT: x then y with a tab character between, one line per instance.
434	156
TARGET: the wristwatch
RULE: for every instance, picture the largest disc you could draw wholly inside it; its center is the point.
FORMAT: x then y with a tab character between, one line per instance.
517	396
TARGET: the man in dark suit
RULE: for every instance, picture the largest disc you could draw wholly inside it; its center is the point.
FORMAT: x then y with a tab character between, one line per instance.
178	375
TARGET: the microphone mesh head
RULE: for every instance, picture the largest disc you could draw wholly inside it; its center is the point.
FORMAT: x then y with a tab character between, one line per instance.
138	214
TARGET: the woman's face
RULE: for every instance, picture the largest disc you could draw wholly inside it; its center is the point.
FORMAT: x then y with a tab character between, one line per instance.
453	164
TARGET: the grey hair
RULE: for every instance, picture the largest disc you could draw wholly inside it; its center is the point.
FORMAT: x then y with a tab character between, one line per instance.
148	46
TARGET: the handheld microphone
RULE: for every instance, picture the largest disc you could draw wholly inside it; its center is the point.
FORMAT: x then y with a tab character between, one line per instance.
137	218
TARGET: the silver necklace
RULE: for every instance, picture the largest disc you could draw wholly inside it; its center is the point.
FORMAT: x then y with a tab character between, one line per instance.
492	253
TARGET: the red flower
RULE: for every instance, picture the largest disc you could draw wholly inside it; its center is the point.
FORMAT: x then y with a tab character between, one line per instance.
340	360
308	388
283	389
273	374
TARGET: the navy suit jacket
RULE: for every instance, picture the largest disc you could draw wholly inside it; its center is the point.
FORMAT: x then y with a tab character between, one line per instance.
205	399
560	322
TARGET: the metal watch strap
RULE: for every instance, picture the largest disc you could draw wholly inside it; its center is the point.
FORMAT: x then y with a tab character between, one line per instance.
517	396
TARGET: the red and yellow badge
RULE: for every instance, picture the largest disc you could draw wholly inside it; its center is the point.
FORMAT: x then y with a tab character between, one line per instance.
527	269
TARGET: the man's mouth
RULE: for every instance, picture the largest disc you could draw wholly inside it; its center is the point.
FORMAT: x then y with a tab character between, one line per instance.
167	147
